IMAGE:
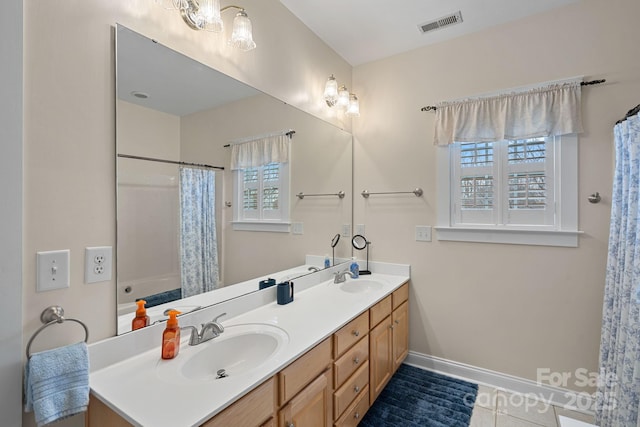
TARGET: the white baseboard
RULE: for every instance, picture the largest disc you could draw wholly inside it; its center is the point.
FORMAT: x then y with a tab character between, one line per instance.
568	399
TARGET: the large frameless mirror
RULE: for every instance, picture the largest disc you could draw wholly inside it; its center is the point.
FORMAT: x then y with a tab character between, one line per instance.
175	114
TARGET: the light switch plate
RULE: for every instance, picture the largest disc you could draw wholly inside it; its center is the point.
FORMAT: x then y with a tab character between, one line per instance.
360	229
52	270
423	233
346	230
297	228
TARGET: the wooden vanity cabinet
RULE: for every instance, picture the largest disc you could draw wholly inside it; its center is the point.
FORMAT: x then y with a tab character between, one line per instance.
305	389
351	367
252	410
388	339
311	407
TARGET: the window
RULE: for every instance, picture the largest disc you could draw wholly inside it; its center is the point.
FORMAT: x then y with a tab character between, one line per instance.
519	191
262	198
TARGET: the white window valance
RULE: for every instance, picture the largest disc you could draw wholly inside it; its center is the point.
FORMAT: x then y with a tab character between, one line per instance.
550	110
259	151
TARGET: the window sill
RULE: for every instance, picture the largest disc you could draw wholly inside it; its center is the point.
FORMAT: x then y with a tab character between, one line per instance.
274	227
510	236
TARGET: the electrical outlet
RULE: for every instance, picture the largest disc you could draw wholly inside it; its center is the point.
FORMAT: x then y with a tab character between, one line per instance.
97	264
53	270
360	229
423	233
346	230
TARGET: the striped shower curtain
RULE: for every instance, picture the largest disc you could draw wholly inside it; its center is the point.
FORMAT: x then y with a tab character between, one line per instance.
618	394
198	243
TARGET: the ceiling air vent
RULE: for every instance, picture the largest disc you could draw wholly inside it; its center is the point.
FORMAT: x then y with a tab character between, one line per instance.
445	21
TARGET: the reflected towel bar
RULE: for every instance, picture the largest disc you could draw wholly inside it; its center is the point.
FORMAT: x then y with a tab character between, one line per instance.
417	192
301	195
50	316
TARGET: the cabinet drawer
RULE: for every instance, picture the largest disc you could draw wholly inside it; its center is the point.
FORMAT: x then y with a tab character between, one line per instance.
251	410
356	411
350	361
351	389
350	334
379	311
400	295
294	377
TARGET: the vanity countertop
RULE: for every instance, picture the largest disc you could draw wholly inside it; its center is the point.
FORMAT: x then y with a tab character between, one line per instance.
134	390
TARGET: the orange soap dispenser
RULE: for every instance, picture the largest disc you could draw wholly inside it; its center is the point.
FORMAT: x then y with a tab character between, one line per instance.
171	336
141	320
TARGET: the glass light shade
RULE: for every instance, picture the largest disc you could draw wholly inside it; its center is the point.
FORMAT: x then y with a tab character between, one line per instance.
343	97
331	91
354	106
242	34
209	18
173	4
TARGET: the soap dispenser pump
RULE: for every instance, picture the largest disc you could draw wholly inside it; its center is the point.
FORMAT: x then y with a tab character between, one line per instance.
354	268
142	319
171	336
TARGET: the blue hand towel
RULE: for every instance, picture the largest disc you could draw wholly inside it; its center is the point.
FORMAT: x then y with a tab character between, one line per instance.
57	383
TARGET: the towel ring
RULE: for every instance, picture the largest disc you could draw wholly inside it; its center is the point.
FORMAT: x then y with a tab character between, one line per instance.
50	316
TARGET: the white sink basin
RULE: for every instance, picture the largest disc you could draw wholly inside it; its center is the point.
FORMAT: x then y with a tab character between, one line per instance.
360	285
239	350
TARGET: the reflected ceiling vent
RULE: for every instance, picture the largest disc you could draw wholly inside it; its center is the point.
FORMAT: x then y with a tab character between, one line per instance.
445	21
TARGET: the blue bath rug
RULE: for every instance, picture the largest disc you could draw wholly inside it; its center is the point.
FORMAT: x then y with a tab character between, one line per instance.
419	398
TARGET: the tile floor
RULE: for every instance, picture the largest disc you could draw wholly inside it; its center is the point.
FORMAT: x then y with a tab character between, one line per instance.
499	408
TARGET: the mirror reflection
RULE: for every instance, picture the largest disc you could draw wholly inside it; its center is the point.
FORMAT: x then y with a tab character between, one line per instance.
185	239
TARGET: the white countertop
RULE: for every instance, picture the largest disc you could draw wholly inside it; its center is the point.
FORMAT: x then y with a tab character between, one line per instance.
134	390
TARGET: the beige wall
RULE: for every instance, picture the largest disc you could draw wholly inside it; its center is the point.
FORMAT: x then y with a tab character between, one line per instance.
506	308
69	129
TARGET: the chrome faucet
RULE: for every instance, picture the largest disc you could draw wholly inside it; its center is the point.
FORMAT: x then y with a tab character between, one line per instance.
341	276
209	331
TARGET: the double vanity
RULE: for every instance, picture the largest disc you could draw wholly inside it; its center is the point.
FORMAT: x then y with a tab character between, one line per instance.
320	360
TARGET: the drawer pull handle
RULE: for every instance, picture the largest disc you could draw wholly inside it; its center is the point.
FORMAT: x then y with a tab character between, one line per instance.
290	424
357	415
397	322
356	389
391	326
356	333
356	360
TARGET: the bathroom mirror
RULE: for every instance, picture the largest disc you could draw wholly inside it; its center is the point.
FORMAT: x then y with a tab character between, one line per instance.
175	113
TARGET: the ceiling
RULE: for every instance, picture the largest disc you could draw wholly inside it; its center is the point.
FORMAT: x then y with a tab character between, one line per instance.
147	67
362	31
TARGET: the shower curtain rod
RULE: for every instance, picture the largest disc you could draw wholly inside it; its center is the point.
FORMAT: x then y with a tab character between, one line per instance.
174	162
635	110
592	82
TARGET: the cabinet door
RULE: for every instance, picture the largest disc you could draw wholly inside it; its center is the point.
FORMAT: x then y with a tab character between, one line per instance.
312	407
400	319
380	357
251	410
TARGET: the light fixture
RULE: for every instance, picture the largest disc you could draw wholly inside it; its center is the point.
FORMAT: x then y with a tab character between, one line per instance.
340	97
242	35
207	15
353	109
331	91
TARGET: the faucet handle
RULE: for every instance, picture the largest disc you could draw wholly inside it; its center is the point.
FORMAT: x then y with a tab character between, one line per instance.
219	316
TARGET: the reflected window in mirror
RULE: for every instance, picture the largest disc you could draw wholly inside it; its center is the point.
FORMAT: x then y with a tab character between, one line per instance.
261	183
262	198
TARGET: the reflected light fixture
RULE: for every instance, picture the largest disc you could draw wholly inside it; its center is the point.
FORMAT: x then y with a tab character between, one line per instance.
207	15
341	98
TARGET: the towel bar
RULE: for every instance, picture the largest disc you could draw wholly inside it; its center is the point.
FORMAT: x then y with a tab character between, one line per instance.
51	315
